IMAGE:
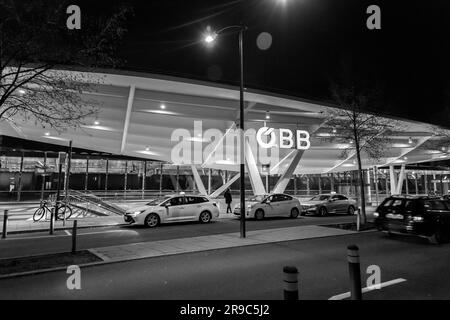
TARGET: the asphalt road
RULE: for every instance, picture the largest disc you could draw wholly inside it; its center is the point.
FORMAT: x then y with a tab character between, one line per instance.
17	245
255	272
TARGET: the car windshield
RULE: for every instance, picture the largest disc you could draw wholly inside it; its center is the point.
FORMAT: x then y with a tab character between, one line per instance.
156	201
320	198
258	198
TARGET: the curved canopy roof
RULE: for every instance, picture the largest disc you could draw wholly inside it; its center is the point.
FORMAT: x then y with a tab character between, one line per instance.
138	114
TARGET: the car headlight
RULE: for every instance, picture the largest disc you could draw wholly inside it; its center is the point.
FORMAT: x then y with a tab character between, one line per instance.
250	206
376	214
136	213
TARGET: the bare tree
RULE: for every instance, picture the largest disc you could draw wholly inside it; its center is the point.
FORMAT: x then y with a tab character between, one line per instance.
34	45
441	141
360	133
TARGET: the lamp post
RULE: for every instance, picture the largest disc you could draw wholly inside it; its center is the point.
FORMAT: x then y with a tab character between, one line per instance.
209	38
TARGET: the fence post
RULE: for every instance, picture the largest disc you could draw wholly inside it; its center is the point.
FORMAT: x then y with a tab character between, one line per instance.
354	272
5	224
74	237
52	221
290	279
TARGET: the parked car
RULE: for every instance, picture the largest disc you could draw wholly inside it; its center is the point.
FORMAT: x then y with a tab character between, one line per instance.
324	204
446	197
260	207
173	209
419	215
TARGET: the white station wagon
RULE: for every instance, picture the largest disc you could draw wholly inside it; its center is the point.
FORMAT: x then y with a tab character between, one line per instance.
278	204
173	209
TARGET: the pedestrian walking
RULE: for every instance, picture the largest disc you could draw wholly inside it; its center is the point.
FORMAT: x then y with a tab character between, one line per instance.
228	200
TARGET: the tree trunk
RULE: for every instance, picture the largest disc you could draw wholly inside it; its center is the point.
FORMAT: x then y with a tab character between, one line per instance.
360	171
361	185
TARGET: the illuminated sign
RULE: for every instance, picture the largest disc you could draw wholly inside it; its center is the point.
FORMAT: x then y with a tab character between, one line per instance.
285	139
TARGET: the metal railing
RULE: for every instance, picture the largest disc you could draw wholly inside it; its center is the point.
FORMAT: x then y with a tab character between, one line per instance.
93	203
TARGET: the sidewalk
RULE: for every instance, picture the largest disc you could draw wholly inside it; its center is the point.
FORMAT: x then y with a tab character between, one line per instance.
222	241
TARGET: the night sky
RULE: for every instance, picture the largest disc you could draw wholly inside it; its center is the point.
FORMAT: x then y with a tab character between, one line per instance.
315	43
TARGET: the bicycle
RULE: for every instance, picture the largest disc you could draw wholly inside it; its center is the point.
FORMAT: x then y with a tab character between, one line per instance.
63	211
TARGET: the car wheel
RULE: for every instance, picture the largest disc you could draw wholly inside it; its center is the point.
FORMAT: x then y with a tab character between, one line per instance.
205	217
437	237
294	213
351	210
323	212
259	214
152	220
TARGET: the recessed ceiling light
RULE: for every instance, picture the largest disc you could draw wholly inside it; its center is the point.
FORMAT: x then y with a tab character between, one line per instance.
410	140
267	115
147	149
163	106
96	122
47	134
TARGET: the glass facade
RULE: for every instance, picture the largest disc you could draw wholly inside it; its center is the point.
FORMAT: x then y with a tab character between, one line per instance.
25	178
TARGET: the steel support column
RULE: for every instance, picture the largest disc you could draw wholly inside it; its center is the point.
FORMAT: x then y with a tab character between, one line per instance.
283	182
222	189
401	179
393	180
198	181
253	172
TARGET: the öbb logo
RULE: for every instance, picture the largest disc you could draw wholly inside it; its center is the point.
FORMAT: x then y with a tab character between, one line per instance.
285	139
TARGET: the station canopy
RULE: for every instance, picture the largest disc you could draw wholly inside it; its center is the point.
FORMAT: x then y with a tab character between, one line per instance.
138	114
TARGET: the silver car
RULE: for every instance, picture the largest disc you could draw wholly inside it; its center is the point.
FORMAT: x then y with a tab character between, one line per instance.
324	204
260	207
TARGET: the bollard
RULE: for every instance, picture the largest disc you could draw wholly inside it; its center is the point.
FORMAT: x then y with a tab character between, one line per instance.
74	237
290	279
5	223
354	272
358	220
52	220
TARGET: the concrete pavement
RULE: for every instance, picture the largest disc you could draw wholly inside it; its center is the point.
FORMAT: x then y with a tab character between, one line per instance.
255	273
35	243
212	242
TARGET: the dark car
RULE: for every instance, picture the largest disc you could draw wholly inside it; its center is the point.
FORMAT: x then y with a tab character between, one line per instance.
324	204
422	216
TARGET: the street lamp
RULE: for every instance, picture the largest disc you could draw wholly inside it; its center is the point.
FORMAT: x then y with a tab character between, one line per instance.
210	37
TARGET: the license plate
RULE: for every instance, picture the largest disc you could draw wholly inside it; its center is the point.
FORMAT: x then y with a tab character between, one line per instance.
394	216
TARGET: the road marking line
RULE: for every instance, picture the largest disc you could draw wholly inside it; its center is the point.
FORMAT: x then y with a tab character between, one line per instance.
67	232
347	295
